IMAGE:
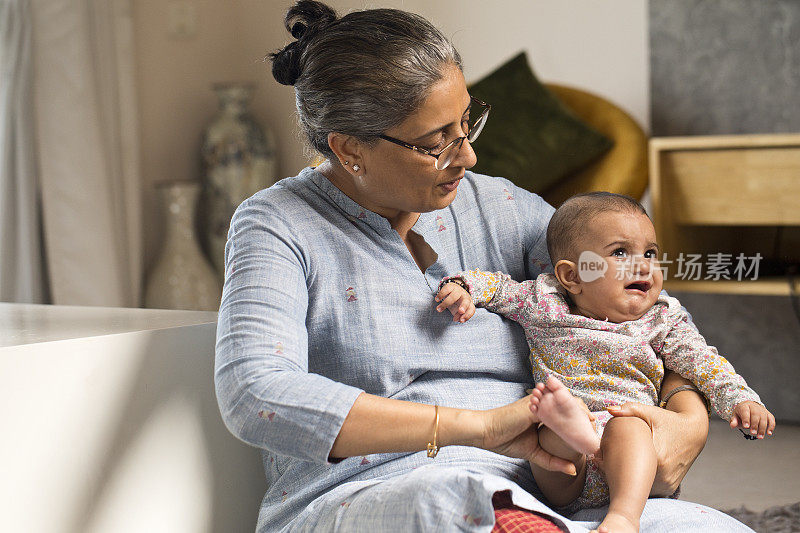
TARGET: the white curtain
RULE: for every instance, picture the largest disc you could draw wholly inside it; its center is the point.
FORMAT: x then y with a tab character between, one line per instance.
87	144
21	275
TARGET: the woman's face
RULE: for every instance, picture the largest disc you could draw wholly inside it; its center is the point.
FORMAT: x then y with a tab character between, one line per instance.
399	180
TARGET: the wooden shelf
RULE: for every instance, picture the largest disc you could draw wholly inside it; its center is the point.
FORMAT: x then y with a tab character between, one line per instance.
728	194
762	287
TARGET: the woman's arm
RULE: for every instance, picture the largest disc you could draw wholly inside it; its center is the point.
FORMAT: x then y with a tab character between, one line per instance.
265	393
382	425
679	431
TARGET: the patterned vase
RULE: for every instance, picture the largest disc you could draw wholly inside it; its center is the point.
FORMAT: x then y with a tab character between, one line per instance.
182	277
238	161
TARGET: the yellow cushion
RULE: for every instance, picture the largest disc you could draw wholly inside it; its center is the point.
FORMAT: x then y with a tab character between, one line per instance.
623	169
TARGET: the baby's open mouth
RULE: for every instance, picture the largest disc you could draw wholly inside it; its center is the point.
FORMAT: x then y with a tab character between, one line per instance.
643	286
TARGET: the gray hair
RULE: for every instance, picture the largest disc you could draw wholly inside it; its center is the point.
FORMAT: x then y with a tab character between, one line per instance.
572	217
361	74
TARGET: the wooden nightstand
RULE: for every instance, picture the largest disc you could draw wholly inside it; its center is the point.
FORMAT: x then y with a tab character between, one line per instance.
728	198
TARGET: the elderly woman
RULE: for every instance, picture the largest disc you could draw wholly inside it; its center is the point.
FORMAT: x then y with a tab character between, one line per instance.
331	357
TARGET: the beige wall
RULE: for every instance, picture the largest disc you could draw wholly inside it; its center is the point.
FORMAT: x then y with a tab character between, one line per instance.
600	46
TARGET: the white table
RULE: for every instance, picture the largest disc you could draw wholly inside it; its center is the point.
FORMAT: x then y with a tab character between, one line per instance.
109	422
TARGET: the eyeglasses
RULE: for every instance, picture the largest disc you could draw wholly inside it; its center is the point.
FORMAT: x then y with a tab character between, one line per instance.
448	153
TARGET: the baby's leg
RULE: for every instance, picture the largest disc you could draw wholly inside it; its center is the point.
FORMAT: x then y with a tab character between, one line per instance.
568	433
560	411
629	465
561	489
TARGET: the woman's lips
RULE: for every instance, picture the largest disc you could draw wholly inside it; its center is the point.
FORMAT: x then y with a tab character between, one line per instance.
450	186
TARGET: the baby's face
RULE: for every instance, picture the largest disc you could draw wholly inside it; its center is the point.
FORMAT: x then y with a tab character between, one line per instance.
632	282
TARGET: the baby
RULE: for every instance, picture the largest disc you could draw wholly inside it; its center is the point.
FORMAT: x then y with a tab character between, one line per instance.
600	329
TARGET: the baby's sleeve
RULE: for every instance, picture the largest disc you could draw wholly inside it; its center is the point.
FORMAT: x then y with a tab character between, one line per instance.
685	351
498	293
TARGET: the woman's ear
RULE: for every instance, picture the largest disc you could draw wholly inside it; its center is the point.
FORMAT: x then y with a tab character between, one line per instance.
567	274
348	151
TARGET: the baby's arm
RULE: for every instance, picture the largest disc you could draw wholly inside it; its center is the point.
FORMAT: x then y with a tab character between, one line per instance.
685	351
453	295
749	414
499	293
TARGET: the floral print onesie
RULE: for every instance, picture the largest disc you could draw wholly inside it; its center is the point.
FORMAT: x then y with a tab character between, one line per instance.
605	363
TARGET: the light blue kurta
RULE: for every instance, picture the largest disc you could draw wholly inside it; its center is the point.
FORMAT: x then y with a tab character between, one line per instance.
322	300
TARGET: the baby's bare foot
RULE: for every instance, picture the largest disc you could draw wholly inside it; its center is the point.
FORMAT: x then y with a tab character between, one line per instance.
558	409
617	523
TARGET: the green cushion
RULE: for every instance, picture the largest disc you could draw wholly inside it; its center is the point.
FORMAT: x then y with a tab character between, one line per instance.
530	137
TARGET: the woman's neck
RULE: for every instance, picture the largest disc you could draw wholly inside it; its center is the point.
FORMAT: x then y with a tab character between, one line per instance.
400	221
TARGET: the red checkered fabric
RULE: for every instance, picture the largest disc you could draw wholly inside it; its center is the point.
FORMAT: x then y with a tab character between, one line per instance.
512	519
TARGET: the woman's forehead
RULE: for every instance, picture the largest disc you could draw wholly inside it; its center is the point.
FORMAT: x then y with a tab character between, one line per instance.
446	101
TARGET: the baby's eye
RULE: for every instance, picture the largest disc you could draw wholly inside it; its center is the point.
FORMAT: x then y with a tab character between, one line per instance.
619	252
651	254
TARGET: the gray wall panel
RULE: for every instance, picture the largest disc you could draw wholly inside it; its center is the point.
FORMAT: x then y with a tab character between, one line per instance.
724	66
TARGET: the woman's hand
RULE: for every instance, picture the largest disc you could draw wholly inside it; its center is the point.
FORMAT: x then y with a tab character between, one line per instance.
511	430
678	437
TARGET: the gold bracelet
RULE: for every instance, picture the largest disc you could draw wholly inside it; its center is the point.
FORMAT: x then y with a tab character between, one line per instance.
433	447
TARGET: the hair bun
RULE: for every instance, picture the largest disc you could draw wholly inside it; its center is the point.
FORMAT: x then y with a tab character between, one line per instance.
308	16
303	20
286	64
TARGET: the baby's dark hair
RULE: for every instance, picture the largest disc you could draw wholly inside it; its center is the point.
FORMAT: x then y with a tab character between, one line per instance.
572	217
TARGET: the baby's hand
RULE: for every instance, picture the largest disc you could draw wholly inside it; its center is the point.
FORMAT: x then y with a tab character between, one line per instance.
452	296
754	416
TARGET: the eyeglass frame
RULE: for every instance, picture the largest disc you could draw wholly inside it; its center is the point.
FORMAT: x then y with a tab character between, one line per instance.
460	140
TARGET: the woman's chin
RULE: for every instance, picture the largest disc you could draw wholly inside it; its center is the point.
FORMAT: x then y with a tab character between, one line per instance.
440	201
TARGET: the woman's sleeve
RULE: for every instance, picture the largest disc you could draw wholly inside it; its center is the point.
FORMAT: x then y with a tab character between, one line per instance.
534	215
265	393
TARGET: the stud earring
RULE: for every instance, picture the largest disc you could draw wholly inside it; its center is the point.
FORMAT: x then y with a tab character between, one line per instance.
346	163
356	167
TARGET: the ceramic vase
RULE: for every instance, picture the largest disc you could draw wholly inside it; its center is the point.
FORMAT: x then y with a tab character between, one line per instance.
238	161
182	277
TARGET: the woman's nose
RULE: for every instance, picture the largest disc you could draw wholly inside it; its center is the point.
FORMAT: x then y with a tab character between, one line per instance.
466	155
